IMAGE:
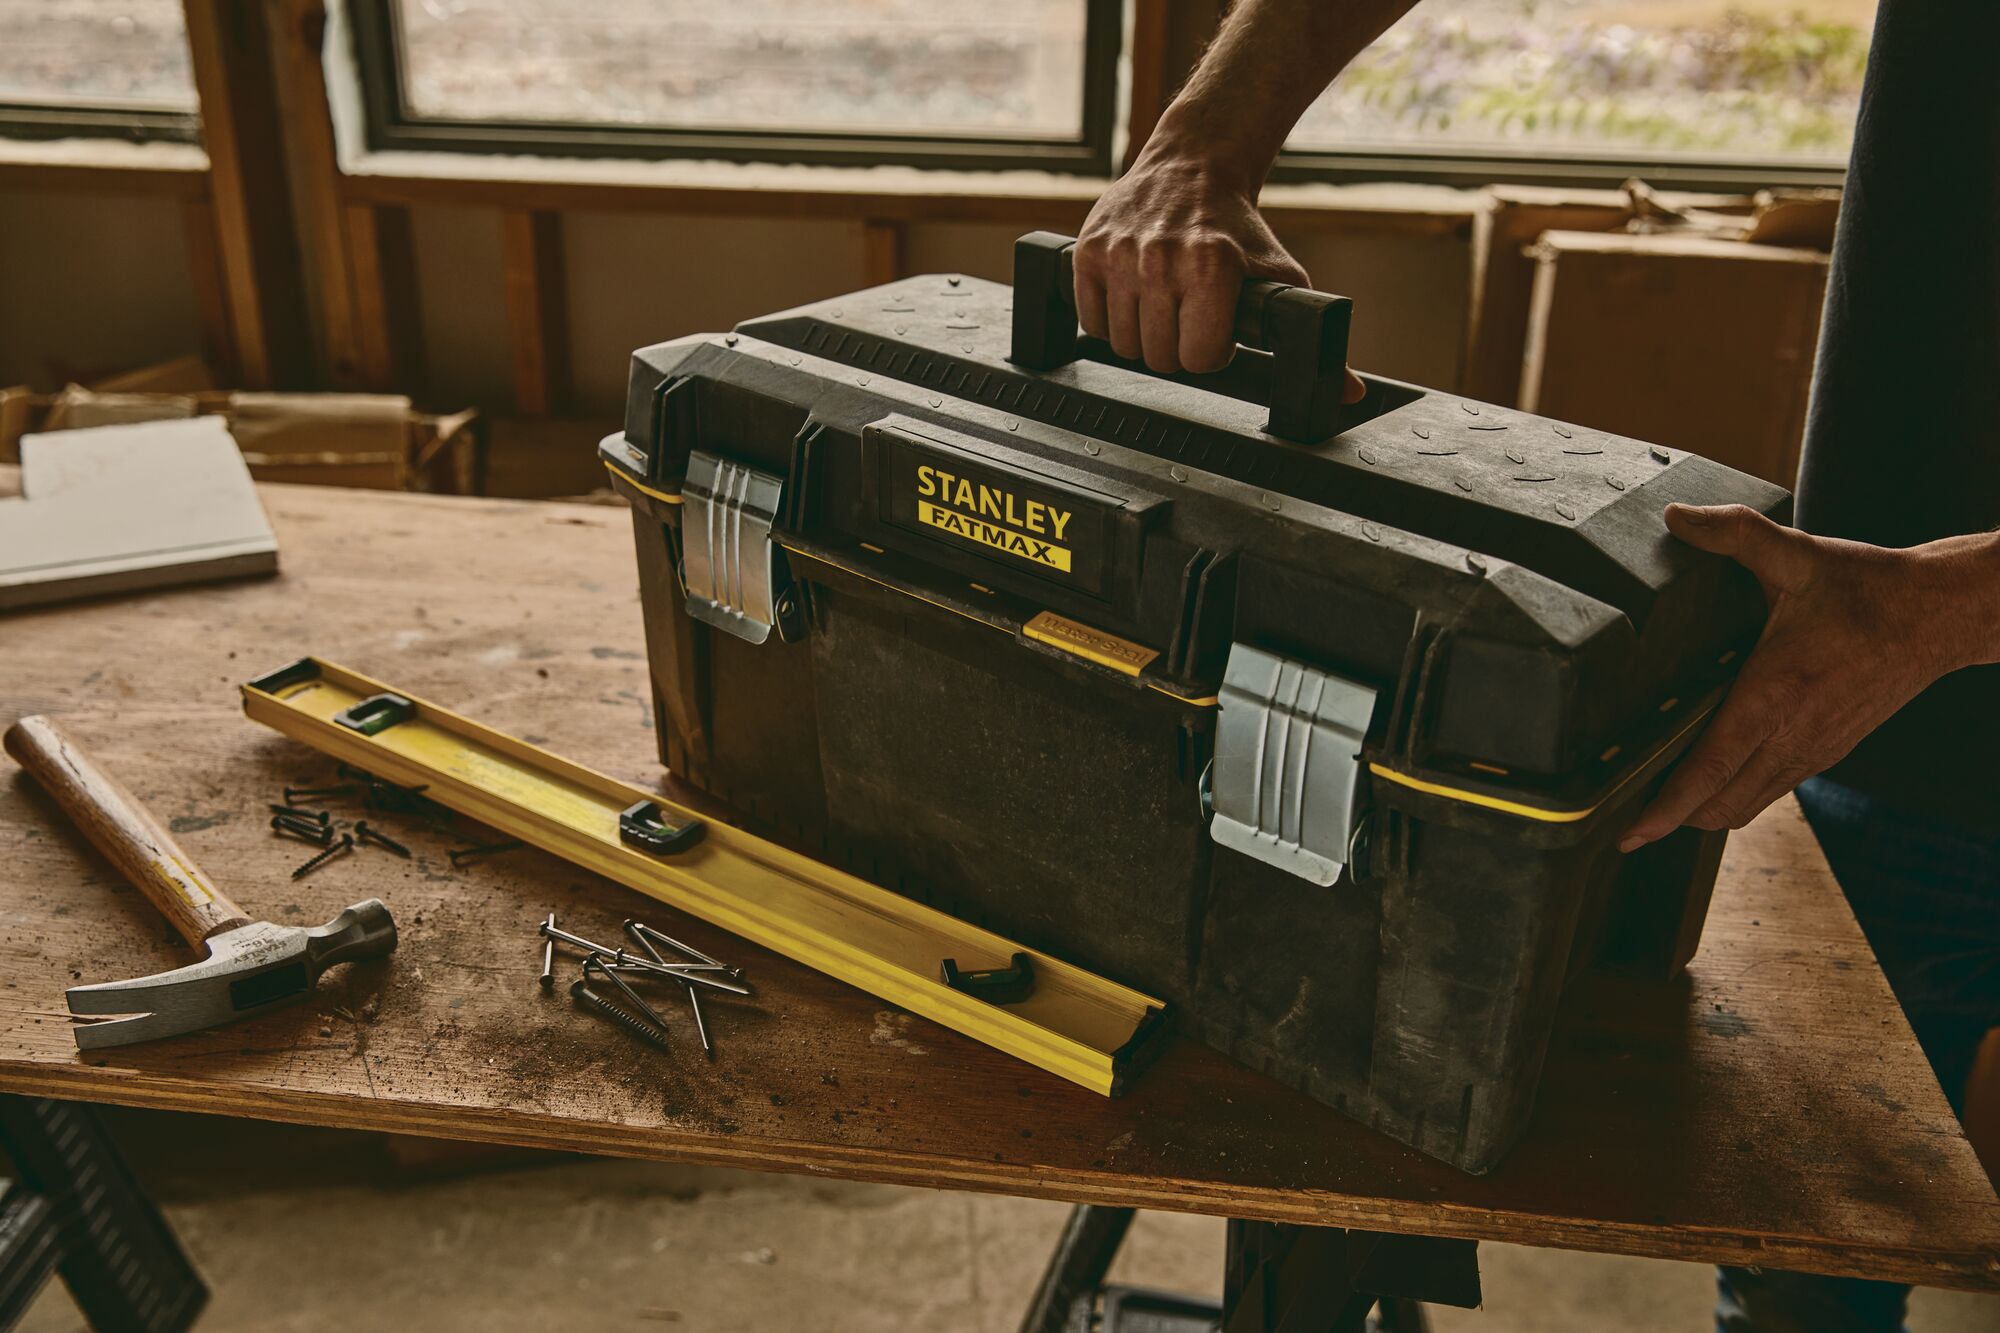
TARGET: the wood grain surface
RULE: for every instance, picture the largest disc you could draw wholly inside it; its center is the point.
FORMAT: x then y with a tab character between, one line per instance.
1773	1109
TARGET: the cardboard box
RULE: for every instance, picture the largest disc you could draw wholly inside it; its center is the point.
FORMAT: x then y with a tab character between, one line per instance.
544	458
1503	276
1701	344
1513	217
375	441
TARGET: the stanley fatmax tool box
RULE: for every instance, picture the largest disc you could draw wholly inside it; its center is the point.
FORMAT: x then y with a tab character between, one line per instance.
1320	721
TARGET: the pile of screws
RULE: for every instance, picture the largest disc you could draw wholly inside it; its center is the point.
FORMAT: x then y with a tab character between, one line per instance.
619	968
292	818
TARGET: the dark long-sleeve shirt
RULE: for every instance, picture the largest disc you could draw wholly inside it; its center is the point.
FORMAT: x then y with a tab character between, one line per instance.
1903	436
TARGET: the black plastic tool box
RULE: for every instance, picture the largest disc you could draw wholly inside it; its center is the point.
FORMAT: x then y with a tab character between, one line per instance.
1320	721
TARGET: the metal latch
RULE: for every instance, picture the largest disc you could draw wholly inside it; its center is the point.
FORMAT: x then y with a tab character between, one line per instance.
1287	764
732	571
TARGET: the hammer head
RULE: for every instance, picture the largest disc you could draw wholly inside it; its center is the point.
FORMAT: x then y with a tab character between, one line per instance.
248	971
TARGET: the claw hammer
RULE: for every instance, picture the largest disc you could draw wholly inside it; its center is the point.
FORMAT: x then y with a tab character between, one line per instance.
251	966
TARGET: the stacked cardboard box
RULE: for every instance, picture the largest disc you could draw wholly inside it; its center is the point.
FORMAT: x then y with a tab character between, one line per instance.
1688	320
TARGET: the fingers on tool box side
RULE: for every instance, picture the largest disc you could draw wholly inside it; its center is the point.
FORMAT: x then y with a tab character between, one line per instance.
121	828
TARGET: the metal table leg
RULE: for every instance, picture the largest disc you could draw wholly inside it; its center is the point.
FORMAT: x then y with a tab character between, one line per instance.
122	1263
1277	1279
1083	1255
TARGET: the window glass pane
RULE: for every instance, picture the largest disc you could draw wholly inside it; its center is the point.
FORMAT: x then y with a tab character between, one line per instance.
1703	79
117	54
971	67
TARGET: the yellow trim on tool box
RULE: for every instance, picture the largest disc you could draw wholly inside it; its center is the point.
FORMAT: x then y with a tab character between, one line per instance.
1083	1027
619	474
1545	814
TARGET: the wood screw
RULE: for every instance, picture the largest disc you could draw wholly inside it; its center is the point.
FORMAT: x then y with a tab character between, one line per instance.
581	992
346	844
463	854
383	840
293	795
321	834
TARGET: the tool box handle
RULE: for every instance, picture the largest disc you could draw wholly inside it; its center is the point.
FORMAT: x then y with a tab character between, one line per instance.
1304	331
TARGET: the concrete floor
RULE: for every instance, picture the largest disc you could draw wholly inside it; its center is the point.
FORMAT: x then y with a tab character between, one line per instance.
307	1229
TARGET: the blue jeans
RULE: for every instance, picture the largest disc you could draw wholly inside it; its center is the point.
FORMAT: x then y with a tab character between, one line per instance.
1927	895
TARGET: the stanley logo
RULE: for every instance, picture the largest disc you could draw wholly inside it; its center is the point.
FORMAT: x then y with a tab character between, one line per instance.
994	516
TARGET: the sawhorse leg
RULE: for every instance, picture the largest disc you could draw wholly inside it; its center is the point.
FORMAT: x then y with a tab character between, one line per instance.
1277	1279
1089	1242
79	1209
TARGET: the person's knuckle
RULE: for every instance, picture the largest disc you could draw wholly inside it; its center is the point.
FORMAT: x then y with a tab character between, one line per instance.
1718	814
1785	695
1157	260
1210	254
1706	774
1205	356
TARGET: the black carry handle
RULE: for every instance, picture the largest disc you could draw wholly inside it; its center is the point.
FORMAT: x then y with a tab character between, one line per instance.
1304	331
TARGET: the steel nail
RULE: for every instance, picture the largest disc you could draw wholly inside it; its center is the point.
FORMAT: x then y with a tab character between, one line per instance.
687	976
641	928
688	972
549	957
638	932
295	812
596	960
639	938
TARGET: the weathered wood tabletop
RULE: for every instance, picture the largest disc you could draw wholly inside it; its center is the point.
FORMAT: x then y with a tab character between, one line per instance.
1775	1109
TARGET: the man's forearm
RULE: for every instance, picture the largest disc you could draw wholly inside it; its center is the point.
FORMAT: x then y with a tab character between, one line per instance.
1268	62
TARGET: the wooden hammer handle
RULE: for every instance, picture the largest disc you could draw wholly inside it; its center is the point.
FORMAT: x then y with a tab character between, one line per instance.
123	830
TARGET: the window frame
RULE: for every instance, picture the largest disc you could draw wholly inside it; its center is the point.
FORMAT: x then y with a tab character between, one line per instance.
390	127
1581	170
43	120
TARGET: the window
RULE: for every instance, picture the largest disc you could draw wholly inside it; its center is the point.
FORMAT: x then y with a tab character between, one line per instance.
1717	91
930	82
99	67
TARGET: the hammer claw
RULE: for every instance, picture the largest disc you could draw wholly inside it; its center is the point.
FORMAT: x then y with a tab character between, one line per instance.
138	996
124	1031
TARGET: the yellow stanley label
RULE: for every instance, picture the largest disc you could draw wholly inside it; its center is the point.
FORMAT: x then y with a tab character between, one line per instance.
1006	515
1093	645
994	516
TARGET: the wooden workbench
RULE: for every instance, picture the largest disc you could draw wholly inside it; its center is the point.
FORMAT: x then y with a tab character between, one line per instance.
1775	1109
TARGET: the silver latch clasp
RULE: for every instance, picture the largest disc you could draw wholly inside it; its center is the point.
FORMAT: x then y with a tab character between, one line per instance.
730	568
1287	767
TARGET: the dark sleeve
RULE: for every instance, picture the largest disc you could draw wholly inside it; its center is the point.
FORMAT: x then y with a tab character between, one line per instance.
1903	435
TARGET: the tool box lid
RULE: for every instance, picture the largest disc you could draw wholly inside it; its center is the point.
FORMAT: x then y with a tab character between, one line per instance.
1504	582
